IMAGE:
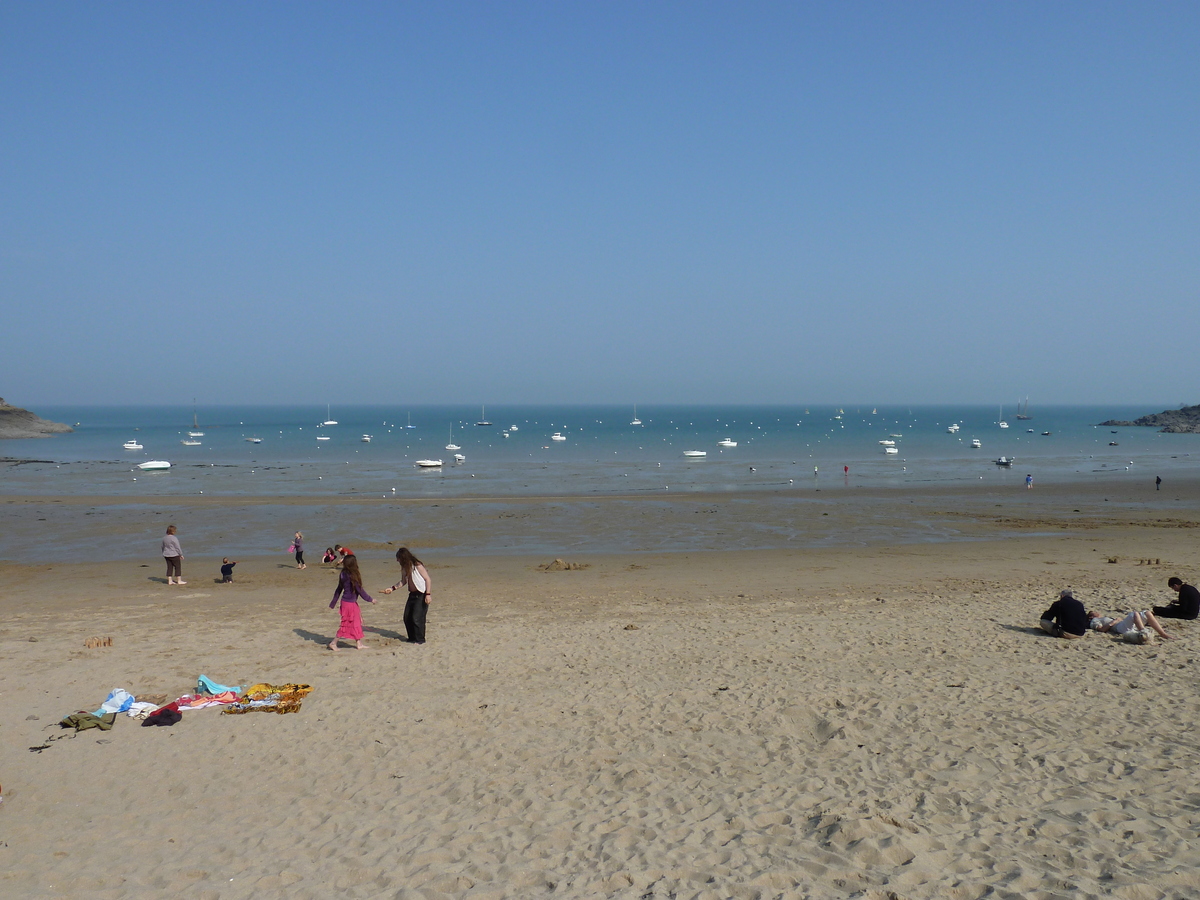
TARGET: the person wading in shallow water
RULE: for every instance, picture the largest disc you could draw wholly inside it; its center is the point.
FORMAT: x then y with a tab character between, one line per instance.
416	578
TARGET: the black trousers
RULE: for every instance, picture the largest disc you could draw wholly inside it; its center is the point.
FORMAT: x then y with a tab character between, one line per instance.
414	617
1171	612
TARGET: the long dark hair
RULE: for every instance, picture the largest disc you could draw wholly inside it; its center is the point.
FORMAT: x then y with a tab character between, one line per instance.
350	567
407	563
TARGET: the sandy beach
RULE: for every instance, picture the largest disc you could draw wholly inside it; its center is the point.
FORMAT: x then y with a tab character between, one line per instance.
878	721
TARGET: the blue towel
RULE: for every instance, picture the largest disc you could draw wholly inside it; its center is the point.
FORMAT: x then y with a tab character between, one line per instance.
205	685
119	700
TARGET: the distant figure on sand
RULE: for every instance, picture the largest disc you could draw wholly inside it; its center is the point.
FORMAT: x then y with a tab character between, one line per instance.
1130	628
227	570
1157	482
1066	618
349	590
1185	606
416	578
329	557
1028	482
298	547
173	554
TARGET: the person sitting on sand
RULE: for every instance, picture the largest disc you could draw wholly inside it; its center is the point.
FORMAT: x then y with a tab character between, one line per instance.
227	570
329	557
1129	628
349	590
1066	618
1185	606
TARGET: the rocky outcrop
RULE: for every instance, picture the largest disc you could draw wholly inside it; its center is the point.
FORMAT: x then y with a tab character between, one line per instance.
1185	420
21	423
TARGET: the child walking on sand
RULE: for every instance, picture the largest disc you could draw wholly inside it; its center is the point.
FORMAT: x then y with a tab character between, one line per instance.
349	589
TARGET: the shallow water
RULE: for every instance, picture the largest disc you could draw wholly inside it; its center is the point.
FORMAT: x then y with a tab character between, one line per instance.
602	455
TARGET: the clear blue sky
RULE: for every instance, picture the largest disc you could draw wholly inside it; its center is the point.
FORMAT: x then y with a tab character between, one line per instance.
592	202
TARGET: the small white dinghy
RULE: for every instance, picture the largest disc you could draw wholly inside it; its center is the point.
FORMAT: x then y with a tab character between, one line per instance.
557	436
154	465
890	450
458	457
429	463
695	454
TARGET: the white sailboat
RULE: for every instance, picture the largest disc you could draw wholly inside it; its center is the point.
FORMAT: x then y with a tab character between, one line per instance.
452	445
635	420
329	419
195	432
483	416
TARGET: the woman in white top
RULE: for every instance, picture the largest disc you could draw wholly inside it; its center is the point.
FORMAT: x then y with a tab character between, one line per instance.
416	578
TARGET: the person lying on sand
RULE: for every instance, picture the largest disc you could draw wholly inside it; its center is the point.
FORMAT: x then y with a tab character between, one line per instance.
1066	618
1130	627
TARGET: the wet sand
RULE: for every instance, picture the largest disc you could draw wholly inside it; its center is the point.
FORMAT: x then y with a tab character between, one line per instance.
880	720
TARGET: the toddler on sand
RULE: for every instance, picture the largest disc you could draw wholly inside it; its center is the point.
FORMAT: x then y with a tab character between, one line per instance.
227	570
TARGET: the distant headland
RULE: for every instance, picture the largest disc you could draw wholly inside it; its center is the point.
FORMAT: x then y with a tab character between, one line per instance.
1185	420
21	423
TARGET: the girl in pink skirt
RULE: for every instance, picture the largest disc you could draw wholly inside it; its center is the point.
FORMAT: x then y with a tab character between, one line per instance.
349	589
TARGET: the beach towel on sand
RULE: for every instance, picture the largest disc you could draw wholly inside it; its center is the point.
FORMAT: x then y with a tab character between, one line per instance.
205	685
276	698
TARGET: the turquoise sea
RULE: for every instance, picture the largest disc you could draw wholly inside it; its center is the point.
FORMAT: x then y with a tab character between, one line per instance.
602	454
